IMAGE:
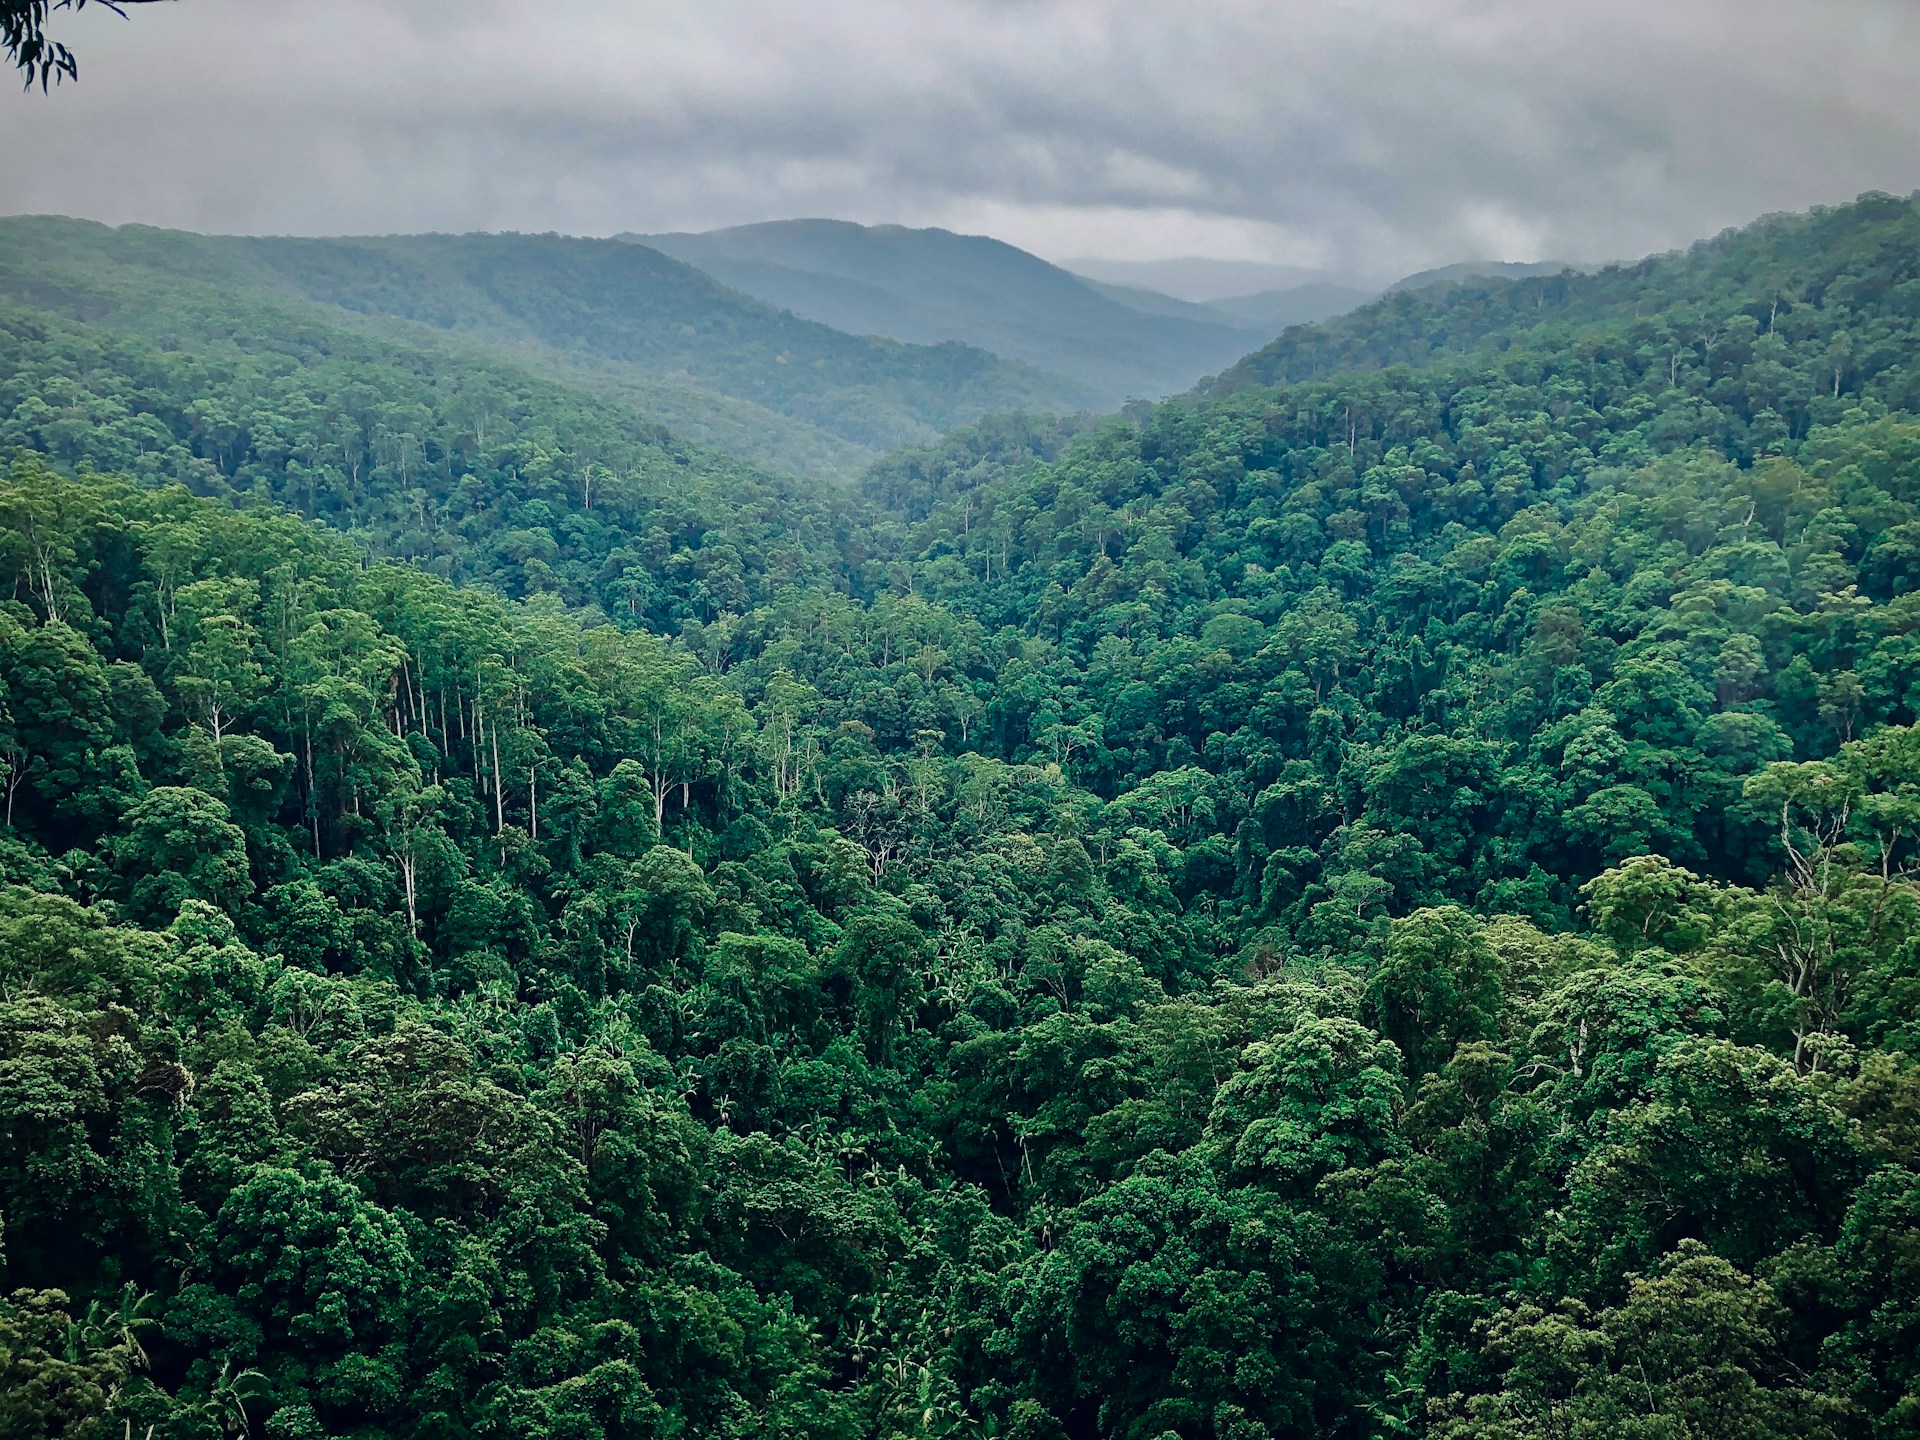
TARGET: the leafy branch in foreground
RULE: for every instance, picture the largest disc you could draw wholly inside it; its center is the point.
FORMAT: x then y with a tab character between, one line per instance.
23	31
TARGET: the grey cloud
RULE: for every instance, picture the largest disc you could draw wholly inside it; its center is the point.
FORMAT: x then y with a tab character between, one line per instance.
1379	135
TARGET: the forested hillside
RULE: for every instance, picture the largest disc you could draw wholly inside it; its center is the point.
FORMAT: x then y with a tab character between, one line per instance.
1378	905
1758	295
930	286
617	319
477	470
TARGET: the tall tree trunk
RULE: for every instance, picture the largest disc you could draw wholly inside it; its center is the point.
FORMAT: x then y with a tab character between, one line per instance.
499	799
407	868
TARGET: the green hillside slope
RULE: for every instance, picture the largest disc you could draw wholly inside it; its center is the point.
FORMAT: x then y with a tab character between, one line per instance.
1204	280
1757	287
930	286
1275	310
1152	302
1385	904
620	317
474	467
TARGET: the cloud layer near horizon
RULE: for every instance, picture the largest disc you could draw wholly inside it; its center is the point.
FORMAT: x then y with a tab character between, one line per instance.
1367	135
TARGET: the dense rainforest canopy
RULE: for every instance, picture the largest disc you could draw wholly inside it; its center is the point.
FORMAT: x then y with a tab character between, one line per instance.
1376	900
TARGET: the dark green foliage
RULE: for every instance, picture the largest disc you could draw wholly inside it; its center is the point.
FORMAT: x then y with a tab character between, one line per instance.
1384	907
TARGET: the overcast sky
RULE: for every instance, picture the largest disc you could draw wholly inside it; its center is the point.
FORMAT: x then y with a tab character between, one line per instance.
1369	135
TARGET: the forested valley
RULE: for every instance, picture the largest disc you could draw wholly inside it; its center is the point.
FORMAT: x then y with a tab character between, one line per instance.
1377	898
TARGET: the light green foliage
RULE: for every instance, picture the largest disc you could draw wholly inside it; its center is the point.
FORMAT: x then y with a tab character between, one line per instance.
1315	1102
178	846
1694	1350
58	1371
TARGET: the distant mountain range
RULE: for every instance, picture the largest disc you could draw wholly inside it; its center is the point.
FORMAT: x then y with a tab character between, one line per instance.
630	323
1269	298
807	346
1203	280
1479	270
933	286
1116	329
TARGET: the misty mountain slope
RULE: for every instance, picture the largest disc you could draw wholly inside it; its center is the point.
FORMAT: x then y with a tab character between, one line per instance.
1307	303
626	319
191	304
1152	302
1467	270
1746	343
928	286
1204	279
1275	310
1255	296
1780	271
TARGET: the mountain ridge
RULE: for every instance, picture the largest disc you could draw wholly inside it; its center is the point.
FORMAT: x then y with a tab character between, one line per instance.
618	316
929	285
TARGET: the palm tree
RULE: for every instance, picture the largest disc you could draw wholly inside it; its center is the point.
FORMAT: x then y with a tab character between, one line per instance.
226	1400
119	1327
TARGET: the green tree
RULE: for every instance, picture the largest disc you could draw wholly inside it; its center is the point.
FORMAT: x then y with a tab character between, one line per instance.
1439	988
180	845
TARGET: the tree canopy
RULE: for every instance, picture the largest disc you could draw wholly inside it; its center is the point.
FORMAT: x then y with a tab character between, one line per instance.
1375	903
